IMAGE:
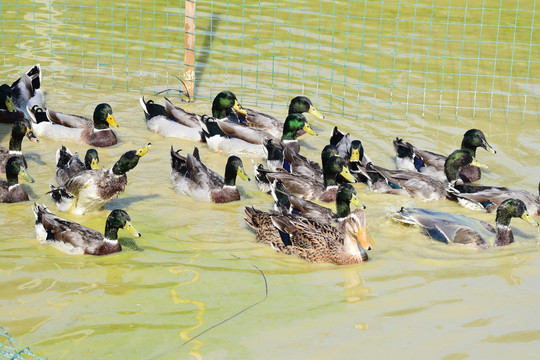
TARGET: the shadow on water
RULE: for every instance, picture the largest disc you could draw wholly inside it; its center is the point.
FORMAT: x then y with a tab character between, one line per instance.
123	203
201	62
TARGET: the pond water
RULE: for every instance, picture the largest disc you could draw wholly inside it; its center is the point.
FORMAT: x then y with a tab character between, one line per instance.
197	264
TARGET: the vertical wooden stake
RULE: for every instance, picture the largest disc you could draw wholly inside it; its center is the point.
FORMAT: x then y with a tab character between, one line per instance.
189	49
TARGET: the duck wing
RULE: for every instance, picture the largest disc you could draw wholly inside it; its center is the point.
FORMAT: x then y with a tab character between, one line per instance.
72	121
246	133
181	116
203	176
263	121
302	165
305	187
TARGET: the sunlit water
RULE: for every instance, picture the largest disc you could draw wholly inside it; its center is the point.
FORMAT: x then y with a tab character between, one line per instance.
200	264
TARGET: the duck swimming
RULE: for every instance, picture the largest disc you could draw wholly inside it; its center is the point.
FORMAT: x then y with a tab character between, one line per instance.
190	176
69	165
11	191
66	127
459	229
21	128
73	238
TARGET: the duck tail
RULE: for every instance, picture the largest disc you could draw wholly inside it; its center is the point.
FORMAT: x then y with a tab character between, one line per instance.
35	75
37	114
38	212
251	217
151	109
63	156
178	162
336	135
403	149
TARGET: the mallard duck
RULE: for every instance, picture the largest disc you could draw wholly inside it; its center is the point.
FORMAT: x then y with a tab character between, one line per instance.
8	112
73	238
69	165
191	177
271	125
27	90
171	121
309	187
410	158
311	240
459	229
65	127
421	186
91	189
286	201
488	198
353	153
11	191
298	164
20	128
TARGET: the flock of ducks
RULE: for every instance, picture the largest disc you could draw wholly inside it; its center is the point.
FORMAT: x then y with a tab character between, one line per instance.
296	225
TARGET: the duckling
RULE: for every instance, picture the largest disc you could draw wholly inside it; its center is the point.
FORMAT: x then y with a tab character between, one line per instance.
69	165
8	112
191	177
27	90
171	121
310	240
20	128
410	158
309	187
421	186
11	191
91	189
73	238
271	125
459	229
65	127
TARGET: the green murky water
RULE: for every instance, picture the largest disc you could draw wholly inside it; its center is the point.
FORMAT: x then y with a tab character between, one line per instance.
200	264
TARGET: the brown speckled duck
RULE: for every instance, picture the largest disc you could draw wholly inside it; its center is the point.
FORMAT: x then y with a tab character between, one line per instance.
65	127
73	238
11	191
311	240
191	177
20	128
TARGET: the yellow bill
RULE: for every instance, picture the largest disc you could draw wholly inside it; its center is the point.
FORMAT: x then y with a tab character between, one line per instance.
30	135
240	172
355	155
9	104
142	151
356	202
315	112
478	164
132	231
307	128
347	174
94	165
111	121
25	175
239	108
489	148
529	219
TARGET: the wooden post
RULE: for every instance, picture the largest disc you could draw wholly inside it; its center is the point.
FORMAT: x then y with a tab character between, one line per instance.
189	49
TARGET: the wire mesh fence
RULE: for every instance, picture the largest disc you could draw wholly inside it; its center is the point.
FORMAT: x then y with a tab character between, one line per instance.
459	59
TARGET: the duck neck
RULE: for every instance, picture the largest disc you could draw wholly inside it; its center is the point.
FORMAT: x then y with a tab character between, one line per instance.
111	231
15	142
12	179
230	175
329	180
343	209
470	148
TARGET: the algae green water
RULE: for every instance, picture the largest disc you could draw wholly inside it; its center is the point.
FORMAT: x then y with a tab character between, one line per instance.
200	264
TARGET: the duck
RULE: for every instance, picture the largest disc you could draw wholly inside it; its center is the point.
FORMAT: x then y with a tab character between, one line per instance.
91	189
314	188
287	202
10	189
353	153
273	126
310	240
464	230
488	198
410	158
20	128
190	176
418	185
27	91
298	164
69	165
8	112
76	239
171	121
239	140
66	127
